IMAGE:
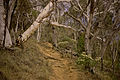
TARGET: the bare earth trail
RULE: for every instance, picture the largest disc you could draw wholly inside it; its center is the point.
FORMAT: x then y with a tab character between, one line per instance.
62	68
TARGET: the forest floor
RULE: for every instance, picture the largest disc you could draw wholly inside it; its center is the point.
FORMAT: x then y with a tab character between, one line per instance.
40	61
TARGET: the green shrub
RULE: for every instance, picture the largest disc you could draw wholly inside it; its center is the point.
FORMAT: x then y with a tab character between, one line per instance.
80	44
86	60
67	43
35	13
63	44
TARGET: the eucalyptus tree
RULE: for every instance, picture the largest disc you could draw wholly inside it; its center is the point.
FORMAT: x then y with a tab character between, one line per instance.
98	21
7	10
45	13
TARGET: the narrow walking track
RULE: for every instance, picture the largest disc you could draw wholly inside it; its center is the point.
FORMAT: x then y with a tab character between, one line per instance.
62	68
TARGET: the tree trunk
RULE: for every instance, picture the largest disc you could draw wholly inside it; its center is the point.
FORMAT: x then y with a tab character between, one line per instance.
87	35
54	36
45	13
8	40
103	49
39	34
5	38
2	22
6	7
88	46
13	36
6	10
16	28
12	6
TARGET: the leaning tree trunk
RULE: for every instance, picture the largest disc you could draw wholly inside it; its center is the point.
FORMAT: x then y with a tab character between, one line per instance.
45	13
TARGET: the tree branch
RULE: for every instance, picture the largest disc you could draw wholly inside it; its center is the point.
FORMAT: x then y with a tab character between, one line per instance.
61	25
81	9
83	26
44	14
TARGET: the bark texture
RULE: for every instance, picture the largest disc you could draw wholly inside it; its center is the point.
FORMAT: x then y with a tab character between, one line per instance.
39	34
4	32
88	28
54	36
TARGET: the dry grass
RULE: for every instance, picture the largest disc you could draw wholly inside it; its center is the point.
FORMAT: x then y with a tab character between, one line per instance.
24	64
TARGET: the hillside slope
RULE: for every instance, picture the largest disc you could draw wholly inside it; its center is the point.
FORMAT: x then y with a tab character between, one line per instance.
39	61
24	64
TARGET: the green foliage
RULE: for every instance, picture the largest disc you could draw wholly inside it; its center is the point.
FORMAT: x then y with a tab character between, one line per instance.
24	6
81	43
108	19
34	13
67	43
68	39
23	15
86	60
63	44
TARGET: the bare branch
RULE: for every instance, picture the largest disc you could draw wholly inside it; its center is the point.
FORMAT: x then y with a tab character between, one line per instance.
94	36
81	9
61	25
83	26
69	27
44	14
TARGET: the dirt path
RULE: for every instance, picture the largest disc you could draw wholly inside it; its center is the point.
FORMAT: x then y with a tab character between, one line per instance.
62	68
